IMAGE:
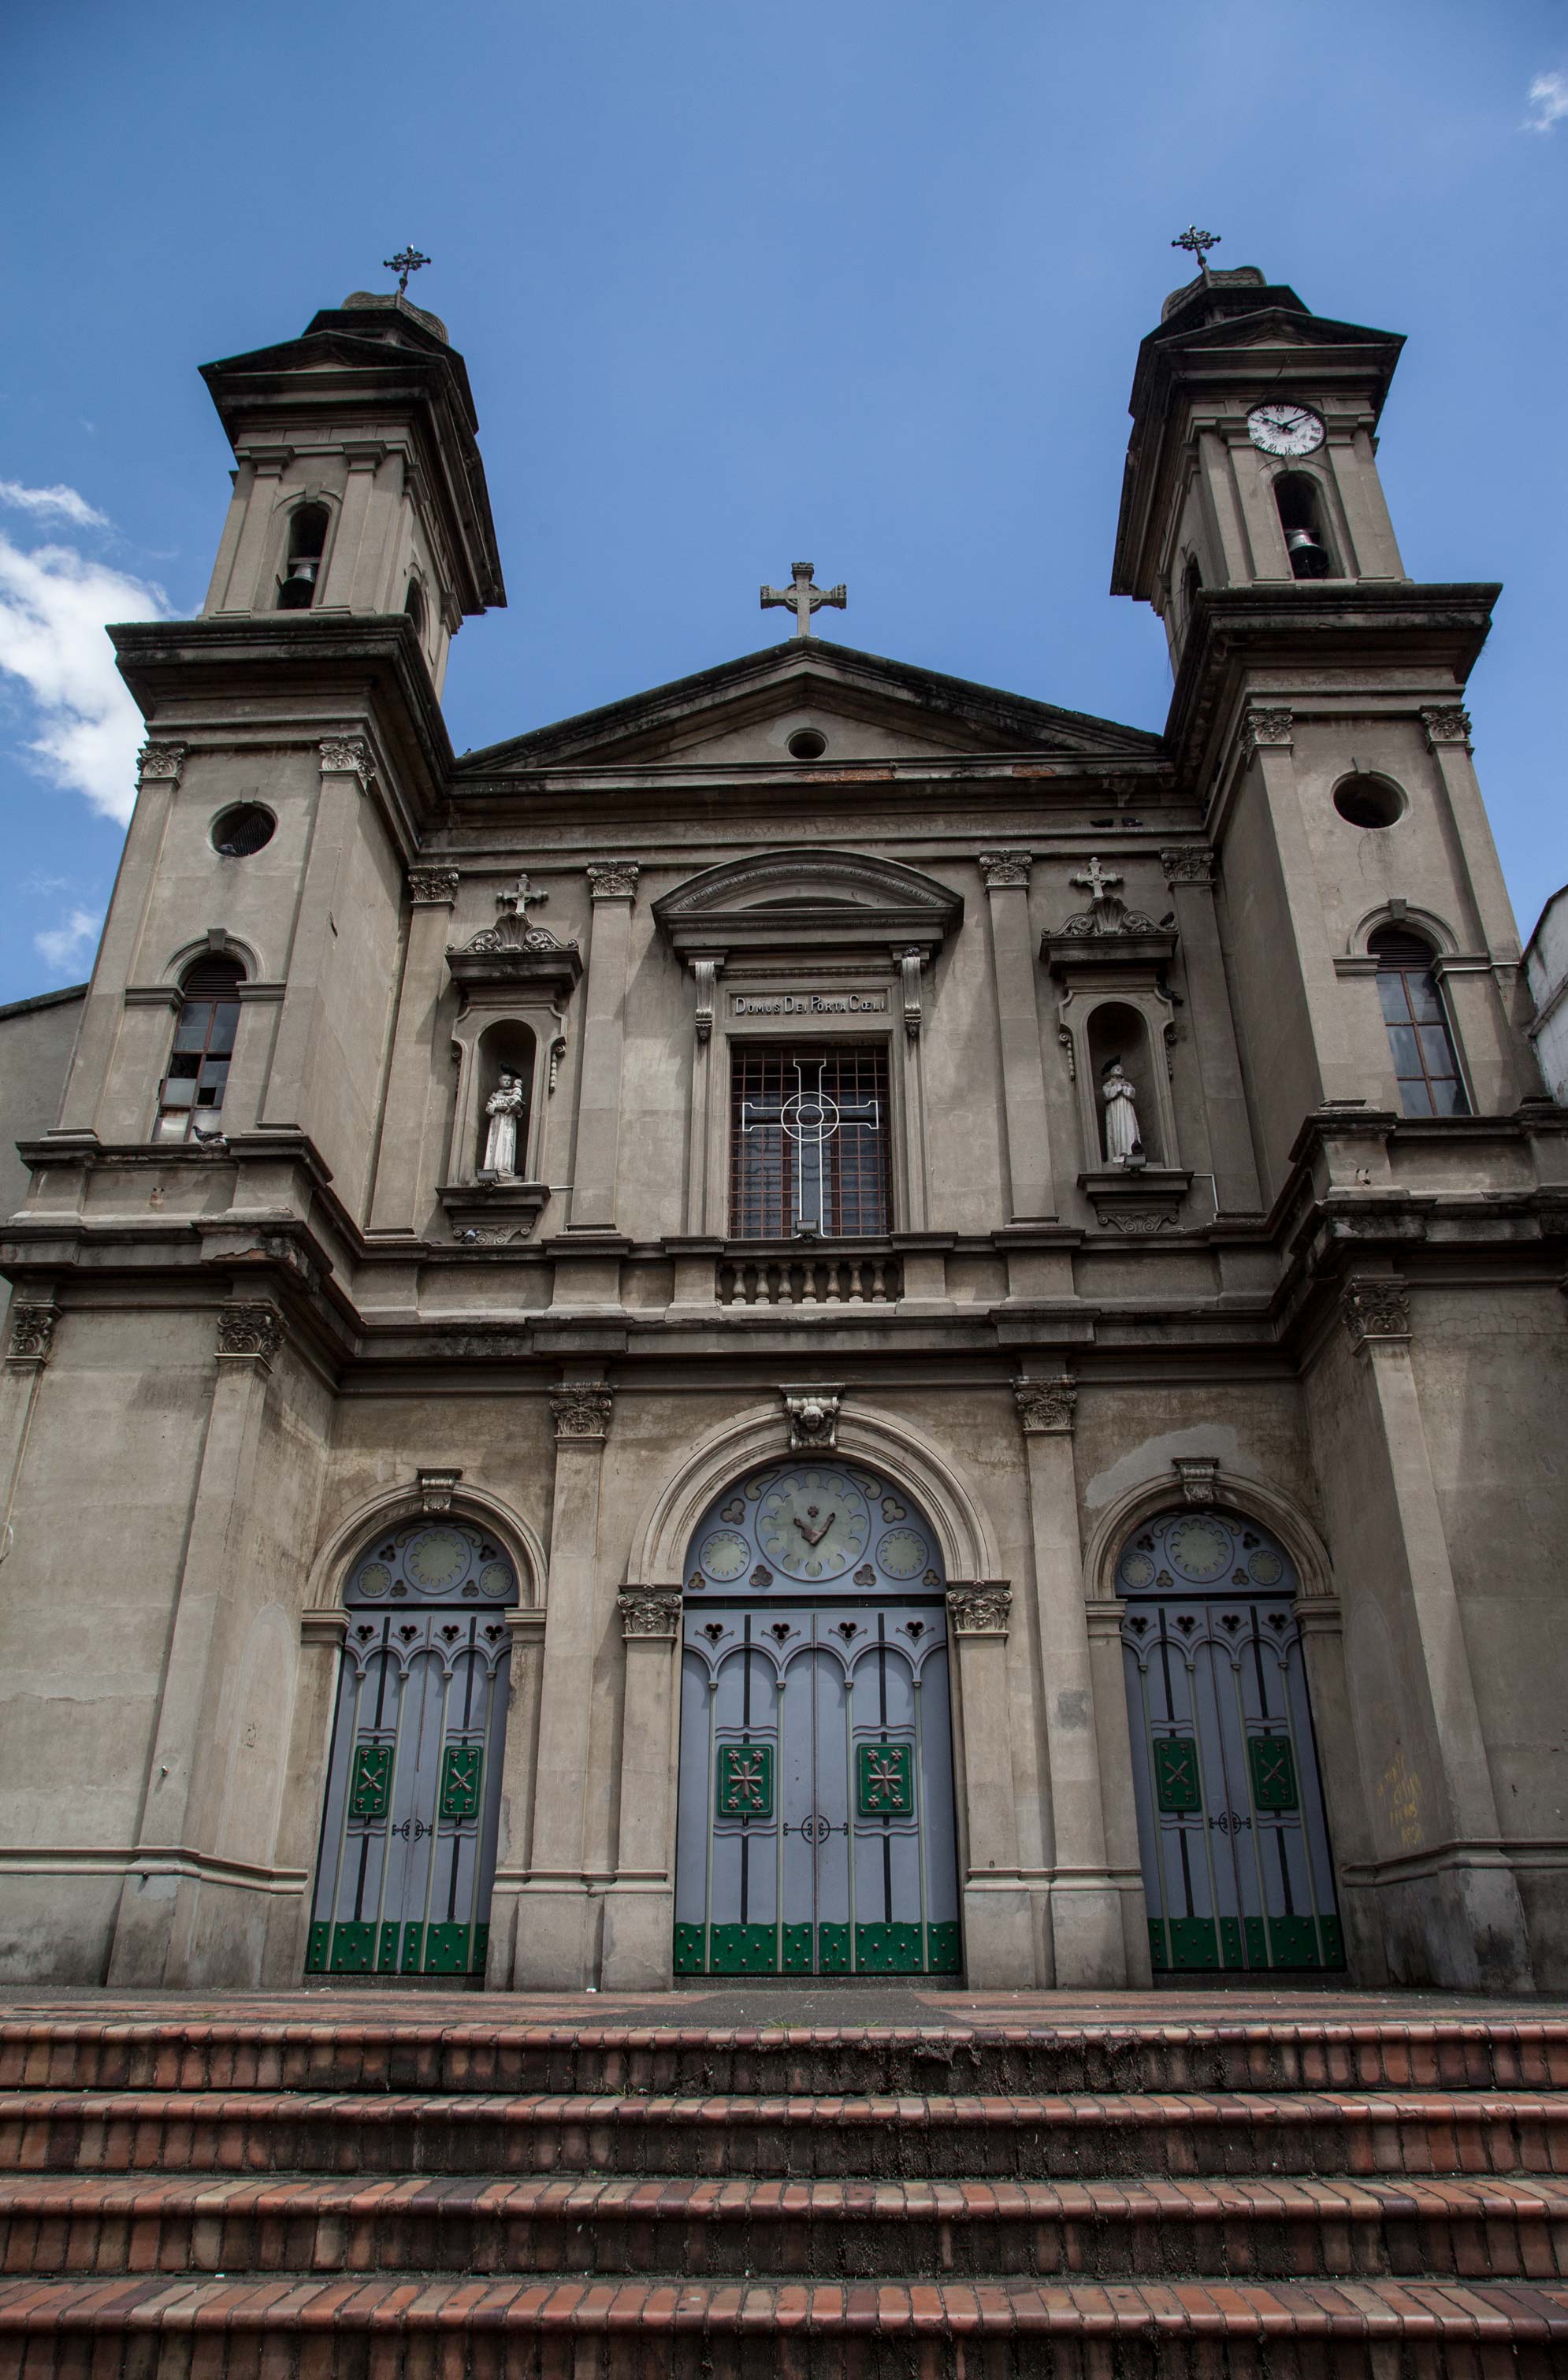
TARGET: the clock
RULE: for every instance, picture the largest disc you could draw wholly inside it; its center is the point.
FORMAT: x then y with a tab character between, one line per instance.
902	1553
1200	1548
437	1559
724	1554
813	1523
1282	428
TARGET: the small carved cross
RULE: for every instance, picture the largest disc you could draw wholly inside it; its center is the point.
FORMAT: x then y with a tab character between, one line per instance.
1095	879
407	261
516	901
802	598
1197	243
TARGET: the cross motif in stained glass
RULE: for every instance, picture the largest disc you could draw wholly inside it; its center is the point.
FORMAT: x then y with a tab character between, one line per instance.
460	1768
371	1780
886	1780
746	1781
1273	1772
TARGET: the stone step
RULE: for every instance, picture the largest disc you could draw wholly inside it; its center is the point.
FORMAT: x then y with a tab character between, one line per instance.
138	2053
557	2329
828	2137
1464	2228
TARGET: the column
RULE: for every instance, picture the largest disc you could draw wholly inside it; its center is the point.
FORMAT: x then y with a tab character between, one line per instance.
557	1913
343	578
1190	873
401	1188
1488	1939
158	1904
32	1317
998	1950
639	1910
1007	878
1486	1007
159	768
613	886
519	1771
1085	1908
245	591
1267	736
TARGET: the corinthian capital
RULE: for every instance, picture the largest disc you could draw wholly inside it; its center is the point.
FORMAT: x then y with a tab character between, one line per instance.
1046	1405
582	1414
1001	868
613	879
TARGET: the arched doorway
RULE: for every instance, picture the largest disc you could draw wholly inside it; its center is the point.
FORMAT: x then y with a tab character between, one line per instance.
815	1833
407	1855
1236	1865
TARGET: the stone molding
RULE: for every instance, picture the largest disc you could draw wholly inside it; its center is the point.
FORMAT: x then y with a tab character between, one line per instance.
347	755
910	962
1197	1475
1193	866
1375	1307
582	1416
1001	869
432	887
613	879
437	1489
1046	1407
248	1326
160	760
1261	727
650	1612
1445	723
813	1418
983	1610
33	1333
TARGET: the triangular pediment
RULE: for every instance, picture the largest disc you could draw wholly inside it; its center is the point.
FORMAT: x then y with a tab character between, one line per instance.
752	713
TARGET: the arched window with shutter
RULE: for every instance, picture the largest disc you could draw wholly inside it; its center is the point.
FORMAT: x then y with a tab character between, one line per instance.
1425	1062
191	1093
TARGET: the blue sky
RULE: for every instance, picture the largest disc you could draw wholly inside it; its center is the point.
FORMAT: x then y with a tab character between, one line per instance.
740	283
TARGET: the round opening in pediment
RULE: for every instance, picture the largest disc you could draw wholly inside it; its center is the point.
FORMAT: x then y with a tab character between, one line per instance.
807	743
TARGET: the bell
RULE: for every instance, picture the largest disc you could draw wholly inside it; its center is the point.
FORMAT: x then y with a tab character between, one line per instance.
298	588
1308	558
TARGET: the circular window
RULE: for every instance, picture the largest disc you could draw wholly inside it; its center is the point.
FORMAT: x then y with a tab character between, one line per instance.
1368	801
240	831
806	744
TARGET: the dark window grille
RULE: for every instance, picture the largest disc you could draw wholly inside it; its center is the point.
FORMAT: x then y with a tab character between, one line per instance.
773	1173
1422	1047
192	1091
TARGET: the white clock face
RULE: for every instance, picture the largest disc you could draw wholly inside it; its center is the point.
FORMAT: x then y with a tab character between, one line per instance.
813	1523
1282	429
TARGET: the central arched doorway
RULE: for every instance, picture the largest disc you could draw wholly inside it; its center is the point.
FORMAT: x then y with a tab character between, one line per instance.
413	1797
815	1833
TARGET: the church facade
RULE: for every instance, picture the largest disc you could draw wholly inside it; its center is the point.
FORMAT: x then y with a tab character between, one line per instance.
826	1322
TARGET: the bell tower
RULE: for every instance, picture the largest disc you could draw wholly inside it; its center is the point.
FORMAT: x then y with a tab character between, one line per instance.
1254	458
358	486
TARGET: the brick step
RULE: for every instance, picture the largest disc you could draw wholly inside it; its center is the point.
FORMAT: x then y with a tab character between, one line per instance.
666	2329
140	2054
829	2137
1476	2229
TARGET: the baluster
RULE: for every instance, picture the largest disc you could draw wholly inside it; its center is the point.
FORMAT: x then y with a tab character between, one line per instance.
857	1286
834	1286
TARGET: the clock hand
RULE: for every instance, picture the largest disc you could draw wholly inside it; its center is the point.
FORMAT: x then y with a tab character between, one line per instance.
814	1537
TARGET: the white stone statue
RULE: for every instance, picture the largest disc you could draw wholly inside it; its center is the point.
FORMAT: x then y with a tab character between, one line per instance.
504	1106
1123	1139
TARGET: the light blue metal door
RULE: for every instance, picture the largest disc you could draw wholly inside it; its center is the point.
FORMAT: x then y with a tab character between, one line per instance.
816	1825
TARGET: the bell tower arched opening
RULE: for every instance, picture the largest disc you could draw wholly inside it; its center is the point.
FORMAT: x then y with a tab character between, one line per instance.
815	1832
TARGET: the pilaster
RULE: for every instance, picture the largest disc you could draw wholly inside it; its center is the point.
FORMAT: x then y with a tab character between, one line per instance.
1189	874
153	1935
159	768
613	886
289	1101
1005	875
558	1910
639	1907
402	1175
998	1951
1485	1004
1086	1911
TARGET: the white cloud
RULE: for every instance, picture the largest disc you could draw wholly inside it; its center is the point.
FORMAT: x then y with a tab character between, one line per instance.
59	503
53	605
1549	102
68	946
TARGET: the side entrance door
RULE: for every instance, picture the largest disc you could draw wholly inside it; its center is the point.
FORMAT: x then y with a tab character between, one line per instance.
407	1855
816	1821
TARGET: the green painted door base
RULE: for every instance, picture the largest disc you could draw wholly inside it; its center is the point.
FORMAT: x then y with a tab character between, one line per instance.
353	1948
877	1951
1193	1944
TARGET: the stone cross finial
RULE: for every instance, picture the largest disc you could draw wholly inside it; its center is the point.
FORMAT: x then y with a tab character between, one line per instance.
517	900
1095	879
1197	243
802	598
407	261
